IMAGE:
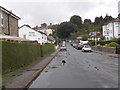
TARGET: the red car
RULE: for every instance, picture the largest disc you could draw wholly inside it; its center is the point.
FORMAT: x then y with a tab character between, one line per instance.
78	46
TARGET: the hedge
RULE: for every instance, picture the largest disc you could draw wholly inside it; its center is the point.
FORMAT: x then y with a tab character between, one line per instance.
47	49
92	43
17	55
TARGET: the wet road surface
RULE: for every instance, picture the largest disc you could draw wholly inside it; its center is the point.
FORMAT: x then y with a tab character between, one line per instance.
82	70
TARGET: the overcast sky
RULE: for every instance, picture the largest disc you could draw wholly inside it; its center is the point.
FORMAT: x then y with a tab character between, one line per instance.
35	12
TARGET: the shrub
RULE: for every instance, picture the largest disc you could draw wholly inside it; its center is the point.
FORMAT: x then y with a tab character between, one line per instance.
112	44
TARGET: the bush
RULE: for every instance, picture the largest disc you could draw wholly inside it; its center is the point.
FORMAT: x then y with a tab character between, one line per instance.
17	55
102	42
112	44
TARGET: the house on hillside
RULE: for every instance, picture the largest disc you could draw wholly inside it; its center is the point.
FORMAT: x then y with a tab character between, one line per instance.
8	22
94	36
44	29
112	29
27	32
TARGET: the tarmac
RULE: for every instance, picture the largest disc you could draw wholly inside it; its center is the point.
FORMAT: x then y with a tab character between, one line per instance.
24	78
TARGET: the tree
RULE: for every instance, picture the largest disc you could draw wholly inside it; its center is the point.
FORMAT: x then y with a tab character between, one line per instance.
65	29
98	20
84	38
102	37
87	21
107	18
76	20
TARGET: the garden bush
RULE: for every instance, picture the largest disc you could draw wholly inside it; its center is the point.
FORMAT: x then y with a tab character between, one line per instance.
112	44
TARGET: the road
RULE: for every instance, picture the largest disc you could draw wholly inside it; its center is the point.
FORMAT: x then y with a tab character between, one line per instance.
82	70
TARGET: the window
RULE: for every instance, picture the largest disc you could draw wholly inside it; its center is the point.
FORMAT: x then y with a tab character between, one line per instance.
116	23
1	20
104	32
24	36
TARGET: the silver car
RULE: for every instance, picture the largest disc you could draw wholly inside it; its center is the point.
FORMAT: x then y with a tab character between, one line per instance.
86	48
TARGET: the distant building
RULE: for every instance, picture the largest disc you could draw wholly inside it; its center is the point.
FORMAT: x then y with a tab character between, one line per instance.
28	33
44	29
8	22
94	36
119	7
112	29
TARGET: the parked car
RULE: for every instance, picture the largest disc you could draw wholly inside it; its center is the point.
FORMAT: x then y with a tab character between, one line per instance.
63	47
86	48
79	46
71	43
74	45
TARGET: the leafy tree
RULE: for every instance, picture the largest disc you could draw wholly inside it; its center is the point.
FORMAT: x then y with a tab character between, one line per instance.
84	38
65	29
76	20
87	21
102	38
98	20
107	18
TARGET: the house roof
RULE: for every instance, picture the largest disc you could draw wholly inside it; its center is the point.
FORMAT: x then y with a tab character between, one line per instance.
116	20
9	13
95	35
50	38
42	28
32	29
112	21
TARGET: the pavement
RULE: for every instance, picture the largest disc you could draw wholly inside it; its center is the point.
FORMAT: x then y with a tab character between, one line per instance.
23	78
107	53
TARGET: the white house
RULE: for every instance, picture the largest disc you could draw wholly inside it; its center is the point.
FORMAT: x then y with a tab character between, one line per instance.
27	32
112	29
45	30
94	36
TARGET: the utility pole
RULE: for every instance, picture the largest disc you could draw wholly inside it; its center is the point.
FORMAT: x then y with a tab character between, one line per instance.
96	40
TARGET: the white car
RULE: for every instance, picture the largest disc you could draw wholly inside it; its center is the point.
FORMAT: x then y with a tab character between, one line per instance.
63	48
86	48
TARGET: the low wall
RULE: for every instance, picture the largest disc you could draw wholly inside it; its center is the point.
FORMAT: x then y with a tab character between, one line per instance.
112	50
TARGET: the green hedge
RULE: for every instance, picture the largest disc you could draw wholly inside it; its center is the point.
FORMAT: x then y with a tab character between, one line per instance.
17	55
47	49
92	43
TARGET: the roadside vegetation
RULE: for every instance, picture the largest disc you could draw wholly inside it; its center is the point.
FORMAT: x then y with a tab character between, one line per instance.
75	27
19	55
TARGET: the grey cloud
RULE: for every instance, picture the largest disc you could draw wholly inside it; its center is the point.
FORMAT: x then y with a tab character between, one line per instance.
35	13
